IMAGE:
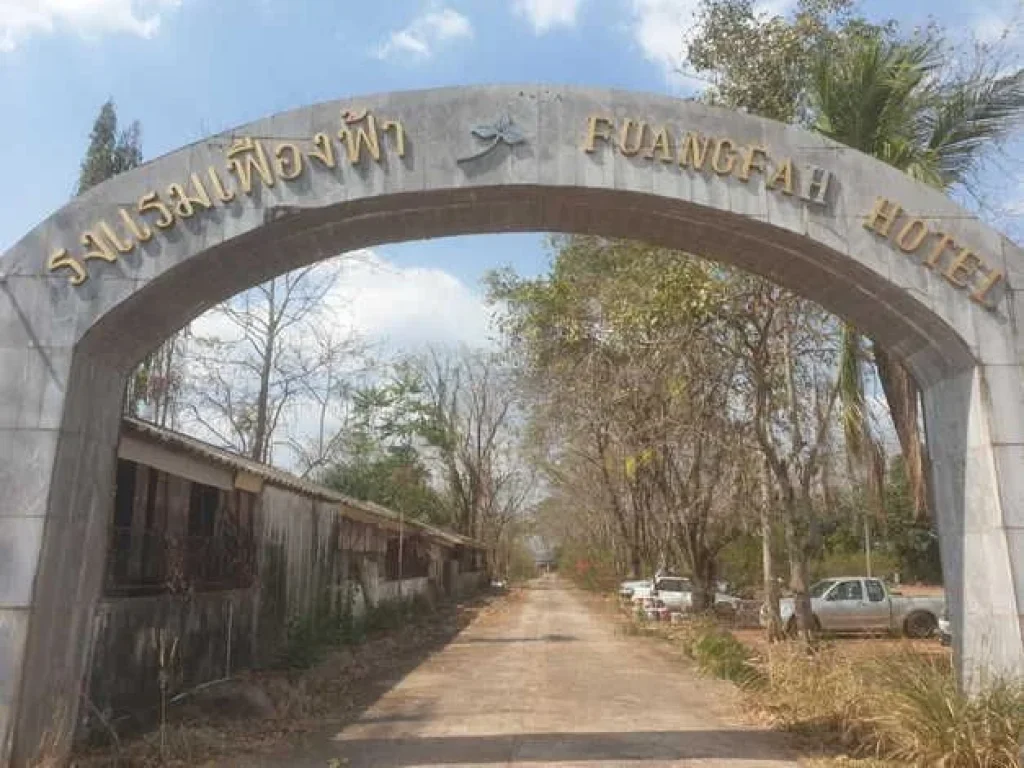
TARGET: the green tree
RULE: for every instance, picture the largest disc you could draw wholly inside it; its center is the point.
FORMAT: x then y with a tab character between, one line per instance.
903	99
110	152
394	477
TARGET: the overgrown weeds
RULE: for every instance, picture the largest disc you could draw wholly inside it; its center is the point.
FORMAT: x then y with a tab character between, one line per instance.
900	708
903	707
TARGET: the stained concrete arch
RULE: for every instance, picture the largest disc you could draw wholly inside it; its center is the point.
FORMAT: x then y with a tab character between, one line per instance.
541	159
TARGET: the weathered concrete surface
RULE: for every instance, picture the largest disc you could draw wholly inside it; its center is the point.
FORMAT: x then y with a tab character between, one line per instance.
65	351
546	682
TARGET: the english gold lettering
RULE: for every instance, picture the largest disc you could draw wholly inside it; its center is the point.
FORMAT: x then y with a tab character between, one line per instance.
962	268
753	160
725	145
245	156
598	127
692	152
662	143
289	168
882	216
625	147
980	294
152	202
944	242
62	260
783	174
816	185
908	240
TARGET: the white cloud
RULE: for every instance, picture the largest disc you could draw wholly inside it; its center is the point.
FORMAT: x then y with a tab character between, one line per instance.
663	28
545	15
425	33
20	19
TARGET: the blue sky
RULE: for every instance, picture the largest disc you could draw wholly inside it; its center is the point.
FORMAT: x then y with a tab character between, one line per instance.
188	68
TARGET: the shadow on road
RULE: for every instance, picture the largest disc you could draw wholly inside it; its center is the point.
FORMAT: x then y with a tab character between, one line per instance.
557	747
540	639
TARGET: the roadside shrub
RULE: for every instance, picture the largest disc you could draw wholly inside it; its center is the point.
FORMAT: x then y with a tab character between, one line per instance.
922	718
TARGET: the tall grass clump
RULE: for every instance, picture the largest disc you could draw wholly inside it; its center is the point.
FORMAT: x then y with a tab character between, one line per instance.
902	708
921	718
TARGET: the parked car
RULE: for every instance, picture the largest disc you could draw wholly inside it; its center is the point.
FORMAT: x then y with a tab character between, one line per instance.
855	604
677	595
627	588
945	629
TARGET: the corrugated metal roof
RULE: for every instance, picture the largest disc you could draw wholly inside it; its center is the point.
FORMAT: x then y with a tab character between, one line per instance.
365	510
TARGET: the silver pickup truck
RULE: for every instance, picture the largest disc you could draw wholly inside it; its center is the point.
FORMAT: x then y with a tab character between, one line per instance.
855	604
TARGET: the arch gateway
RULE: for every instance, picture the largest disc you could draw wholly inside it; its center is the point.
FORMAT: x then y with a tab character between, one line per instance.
101	282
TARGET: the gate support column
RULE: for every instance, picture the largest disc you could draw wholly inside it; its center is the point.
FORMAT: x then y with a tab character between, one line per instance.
975	439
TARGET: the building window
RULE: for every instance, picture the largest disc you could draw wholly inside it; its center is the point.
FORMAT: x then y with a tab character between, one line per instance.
170	534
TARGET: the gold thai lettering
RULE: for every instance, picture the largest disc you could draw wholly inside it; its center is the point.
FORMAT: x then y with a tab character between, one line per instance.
324	150
61	259
245	156
114	239
882	216
97	248
631	148
662	144
598	127
908	240
223	194
753	160
784	175
399	130
151	202
692	152
355	138
726	147
142	233
184	203
288	161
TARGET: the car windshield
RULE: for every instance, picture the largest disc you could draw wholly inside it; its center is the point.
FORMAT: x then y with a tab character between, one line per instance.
674	585
822	587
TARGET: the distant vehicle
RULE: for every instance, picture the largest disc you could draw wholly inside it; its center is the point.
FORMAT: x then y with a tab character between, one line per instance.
499	584
627	588
673	594
677	595
855	604
945	629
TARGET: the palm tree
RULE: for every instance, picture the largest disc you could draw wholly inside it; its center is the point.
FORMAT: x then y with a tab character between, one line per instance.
894	99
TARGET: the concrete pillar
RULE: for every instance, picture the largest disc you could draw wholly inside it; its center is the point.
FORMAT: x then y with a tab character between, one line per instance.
973	425
58	442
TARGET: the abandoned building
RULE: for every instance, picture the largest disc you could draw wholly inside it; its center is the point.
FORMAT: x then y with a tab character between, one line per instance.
213	557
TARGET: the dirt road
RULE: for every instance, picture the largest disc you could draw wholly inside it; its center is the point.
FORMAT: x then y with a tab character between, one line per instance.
546	681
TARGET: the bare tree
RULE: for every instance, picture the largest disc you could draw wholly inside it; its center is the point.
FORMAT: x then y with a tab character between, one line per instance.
258	360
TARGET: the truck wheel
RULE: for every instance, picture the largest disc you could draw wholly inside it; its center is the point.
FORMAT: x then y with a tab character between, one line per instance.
920	625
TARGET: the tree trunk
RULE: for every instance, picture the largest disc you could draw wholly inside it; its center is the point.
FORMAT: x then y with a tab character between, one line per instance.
771	588
796	545
704	573
902	396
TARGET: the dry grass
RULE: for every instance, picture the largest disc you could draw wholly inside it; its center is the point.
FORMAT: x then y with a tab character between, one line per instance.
335	689
865	703
899	708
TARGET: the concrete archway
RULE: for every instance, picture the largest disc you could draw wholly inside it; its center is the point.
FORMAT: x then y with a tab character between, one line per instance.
91	289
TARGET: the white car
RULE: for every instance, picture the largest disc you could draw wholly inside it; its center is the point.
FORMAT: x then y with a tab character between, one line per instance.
677	595
628	588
